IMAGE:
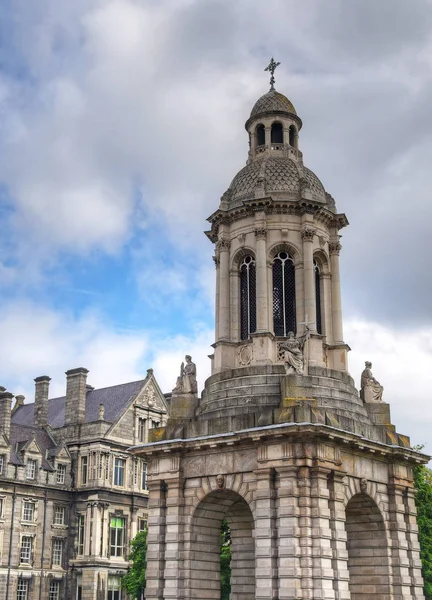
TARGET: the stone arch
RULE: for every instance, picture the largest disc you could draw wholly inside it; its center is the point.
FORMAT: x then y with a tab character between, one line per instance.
203	538
284	247
367	548
322	259
239	255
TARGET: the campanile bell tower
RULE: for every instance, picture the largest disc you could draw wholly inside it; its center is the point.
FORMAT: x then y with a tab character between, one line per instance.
276	236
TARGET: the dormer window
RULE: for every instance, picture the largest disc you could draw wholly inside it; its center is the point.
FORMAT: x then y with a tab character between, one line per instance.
31	469
277	133
2	463
61	473
260	135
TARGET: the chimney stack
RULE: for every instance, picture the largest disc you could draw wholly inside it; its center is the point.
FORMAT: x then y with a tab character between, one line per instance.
5	411
41	400
76	391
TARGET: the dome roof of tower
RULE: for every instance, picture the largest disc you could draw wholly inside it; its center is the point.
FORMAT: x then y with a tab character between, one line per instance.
273	101
279	176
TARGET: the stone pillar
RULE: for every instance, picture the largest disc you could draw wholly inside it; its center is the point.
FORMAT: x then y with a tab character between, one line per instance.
41	401
235	304
223	247
217	294
105	525
156	543
133	522
289	551
261	279
334	249
5	411
174	573
327	322
267	136
88	530
405	556
265	535
322	571
309	277
97	528
76	393
338	536
299	293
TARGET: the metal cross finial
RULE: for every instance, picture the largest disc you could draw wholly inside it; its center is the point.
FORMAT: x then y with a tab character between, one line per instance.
272	67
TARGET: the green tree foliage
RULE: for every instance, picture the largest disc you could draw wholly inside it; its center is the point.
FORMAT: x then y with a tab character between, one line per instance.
423	484
225	561
134	580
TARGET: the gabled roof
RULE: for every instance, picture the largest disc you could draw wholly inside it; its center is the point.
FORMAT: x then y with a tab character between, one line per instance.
21	435
114	399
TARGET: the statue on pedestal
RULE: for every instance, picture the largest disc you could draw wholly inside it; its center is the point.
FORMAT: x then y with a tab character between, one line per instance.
294	360
371	389
187	382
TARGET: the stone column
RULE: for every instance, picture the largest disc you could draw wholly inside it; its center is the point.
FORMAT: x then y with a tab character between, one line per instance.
223	247
261	279
299	293
305	529
265	535
96	528
156	543
322	571
87	530
174	572
217	294
309	277
133	525
267	136
407	580
289	552
334	249
338	536
326	288
235	304
105	529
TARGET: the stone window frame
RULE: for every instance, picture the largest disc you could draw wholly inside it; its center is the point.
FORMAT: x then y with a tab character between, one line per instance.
142	524
2	463
26	502
29	547
54	590
144	475
84	469
31	469
119	470
22	589
61	473
118	547
57	548
141	429
114	587
57	509
2	507
81	524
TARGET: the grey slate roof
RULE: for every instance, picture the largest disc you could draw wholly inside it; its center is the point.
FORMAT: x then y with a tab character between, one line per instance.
21	434
114	398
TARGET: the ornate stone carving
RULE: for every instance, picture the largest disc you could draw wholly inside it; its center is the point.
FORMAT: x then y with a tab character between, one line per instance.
101	411
371	389
363	485
261	233
307	234
245	354
186	381
293	355
223	245
335	248
241	238
220	482
216	261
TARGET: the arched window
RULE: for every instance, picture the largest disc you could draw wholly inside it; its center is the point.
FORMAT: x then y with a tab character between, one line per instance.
292	136
247	297
318	306
260	135
284	307
277	133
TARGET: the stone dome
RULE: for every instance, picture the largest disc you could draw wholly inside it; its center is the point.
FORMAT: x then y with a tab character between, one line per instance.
272	102
279	175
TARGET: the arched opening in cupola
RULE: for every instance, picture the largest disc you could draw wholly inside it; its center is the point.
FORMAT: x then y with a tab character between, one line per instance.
277	133
284	300
247	297
292	136
318	298
260	135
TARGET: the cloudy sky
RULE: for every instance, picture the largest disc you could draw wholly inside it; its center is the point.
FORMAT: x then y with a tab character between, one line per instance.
121	125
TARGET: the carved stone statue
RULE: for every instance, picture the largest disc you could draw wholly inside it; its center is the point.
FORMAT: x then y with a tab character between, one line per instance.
293	355
101	411
186	382
371	389
220	481
363	485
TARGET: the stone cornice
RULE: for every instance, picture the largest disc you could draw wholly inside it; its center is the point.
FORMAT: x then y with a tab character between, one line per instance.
292	432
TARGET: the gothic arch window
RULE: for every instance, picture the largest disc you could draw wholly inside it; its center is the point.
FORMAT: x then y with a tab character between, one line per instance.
260	135
318	301
292	136
284	306
277	133
247	297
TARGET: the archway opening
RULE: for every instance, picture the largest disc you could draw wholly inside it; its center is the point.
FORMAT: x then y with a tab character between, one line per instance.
292	136
277	133
260	135
205	543
368	564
